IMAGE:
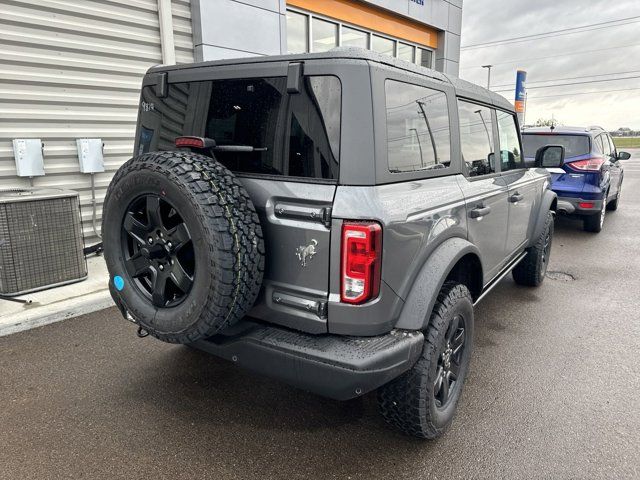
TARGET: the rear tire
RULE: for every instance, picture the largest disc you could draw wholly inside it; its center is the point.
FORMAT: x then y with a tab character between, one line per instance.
532	269
415	403
613	204
594	223
183	245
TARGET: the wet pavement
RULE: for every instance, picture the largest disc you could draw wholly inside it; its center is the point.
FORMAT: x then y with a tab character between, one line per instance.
552	392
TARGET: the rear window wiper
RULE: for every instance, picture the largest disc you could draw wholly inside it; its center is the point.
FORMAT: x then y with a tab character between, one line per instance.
203	143
238	148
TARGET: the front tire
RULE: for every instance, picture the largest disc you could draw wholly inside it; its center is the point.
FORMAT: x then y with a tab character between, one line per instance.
422	402
532	269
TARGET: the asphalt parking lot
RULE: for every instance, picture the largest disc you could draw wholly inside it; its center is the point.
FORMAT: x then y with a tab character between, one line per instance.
552	393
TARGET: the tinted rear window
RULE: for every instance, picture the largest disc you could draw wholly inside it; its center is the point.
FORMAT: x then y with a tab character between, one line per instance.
294	135
574	145
254	112
246	112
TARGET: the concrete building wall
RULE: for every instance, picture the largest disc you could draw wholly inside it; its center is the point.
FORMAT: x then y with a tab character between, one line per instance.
238	28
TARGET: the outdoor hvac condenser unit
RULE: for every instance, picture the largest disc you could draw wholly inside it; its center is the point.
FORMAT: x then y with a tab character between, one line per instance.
40	240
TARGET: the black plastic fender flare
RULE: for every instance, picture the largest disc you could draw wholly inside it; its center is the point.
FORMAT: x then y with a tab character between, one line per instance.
548	202
419	303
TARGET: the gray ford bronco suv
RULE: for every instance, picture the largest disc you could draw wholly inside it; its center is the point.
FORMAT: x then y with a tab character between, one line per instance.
327	219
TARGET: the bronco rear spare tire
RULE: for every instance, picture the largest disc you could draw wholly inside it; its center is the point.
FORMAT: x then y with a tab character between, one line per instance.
183	245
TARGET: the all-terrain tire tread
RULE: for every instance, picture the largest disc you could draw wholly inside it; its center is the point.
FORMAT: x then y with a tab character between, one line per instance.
531	270
404	402
232	227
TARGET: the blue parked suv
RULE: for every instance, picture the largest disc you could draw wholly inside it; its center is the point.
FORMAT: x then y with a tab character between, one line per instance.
590	180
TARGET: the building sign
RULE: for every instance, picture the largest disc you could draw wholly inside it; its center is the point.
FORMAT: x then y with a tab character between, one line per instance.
419	2
521	94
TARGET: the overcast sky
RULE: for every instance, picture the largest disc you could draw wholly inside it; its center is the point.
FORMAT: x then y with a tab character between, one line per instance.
545	59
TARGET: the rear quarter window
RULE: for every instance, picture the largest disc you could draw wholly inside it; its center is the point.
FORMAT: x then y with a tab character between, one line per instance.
418	136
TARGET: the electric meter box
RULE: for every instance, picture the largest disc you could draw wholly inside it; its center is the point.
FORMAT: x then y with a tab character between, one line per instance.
29	158
90	155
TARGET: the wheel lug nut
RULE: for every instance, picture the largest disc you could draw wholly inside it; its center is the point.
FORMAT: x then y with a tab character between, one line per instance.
161	267
169	244
150	240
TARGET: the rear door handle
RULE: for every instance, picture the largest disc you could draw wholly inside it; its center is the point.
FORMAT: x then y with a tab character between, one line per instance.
516	197
480	212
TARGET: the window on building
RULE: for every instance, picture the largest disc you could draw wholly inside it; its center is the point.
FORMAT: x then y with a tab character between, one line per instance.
383	45
325	35
418	136
307	32
476	138
297	32
406	52
510	152
354	38
424	57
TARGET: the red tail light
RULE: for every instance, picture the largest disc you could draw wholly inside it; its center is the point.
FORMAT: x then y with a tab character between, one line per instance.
194	142
190	142
593	164
361	260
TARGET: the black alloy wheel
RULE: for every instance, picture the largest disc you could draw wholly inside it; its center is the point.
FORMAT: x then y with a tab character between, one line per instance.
546	252
422	401
164	213
449	363
158	250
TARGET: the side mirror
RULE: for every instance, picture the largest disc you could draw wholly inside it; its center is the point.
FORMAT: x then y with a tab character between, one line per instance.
550	156
624	155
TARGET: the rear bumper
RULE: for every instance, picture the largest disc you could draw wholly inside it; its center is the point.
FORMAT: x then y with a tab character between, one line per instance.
334	366
571	206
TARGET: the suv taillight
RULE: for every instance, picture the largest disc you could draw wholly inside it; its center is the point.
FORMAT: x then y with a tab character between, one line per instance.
593	164
361	259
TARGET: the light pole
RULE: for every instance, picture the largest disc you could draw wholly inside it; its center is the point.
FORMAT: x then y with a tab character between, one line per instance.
479	112
488	67
419	145
426	120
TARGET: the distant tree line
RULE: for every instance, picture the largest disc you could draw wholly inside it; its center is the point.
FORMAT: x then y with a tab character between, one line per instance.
554	122
625	132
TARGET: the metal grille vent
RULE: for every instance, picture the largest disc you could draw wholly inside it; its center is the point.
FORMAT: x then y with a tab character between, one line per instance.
40	240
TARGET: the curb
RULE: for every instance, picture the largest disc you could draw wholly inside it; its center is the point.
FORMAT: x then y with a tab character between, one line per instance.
37	316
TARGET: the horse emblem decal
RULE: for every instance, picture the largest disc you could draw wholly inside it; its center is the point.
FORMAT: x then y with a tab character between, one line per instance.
306	253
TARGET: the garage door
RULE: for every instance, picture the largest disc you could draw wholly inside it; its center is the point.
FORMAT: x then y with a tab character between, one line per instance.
72	69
